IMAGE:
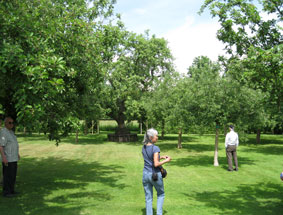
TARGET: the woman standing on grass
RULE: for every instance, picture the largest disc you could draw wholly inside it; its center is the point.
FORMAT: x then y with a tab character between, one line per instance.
152	164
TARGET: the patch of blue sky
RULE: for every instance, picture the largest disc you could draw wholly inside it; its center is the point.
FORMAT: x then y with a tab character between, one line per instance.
189	34
159	16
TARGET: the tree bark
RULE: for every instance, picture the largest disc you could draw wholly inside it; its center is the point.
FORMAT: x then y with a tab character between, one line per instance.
216	147
258	136
180	139
225	130
86	128
163	129
77	136
98	126
162	134
121	126
92	126
141	128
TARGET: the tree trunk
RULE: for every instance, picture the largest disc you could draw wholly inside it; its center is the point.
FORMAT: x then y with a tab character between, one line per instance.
163	129
121	130
162	134
86	128
92	126
141	128
98	126
216	148
180	139
258	136
225	130
77	135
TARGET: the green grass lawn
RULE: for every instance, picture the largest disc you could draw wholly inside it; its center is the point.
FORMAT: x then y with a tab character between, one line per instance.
99	177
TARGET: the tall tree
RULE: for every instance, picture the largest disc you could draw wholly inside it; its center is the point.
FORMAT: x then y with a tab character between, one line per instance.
135	63
50	56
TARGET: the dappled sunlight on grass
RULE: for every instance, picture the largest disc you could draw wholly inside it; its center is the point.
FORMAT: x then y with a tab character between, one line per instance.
252	199
96	177
63	185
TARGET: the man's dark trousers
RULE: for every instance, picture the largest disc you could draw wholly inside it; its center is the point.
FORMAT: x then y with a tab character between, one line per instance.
231	151
9	177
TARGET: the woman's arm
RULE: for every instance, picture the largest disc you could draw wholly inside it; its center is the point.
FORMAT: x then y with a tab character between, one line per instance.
157	162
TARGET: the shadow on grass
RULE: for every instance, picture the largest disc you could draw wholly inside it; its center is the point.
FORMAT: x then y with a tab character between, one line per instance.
265	140
190	147
266	149
60	186
185	138
166	144
33	137
154	211
255	199
205	160
90	139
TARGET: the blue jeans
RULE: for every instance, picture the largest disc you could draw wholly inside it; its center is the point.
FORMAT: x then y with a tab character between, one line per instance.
148	183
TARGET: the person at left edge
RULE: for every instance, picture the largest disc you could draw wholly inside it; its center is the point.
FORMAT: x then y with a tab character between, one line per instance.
9	149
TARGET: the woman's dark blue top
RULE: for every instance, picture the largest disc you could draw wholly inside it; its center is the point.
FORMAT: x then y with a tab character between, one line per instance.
147	152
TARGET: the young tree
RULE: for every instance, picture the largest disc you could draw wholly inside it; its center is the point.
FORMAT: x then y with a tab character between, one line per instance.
218	99
253	37
179	112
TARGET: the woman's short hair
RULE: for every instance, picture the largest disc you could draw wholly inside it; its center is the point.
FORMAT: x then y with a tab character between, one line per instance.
149	134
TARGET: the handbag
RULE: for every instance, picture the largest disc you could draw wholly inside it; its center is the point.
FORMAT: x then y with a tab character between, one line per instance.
163	172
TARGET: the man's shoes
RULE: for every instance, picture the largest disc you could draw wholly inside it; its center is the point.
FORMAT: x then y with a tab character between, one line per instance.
229	170
236	169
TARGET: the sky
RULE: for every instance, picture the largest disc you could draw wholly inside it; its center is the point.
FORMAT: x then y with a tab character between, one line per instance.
189	34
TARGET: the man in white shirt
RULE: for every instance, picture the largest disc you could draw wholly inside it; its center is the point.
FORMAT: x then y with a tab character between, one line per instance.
231	144
9	149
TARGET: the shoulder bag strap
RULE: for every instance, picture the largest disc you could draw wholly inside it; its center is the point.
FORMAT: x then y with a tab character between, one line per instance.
148	156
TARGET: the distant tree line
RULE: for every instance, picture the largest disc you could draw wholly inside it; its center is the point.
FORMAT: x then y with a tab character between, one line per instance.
66	61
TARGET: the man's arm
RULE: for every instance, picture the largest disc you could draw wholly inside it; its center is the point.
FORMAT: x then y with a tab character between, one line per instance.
237	141
226	140
4	159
